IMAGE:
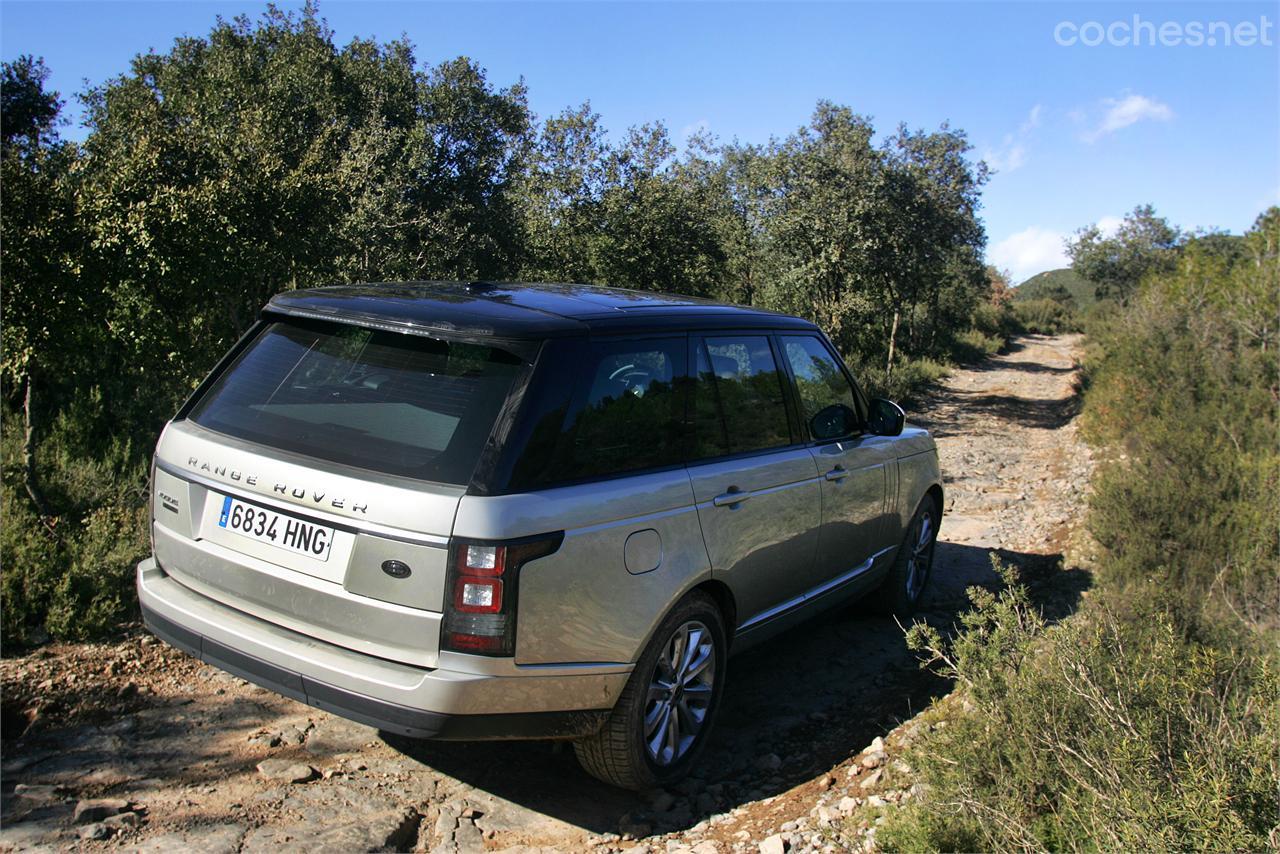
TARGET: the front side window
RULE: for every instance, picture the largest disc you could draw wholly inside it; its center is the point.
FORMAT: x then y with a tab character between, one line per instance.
819	379
385	401
738	398
626	413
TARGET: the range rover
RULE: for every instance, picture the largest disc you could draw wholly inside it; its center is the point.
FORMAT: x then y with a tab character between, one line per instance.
483	510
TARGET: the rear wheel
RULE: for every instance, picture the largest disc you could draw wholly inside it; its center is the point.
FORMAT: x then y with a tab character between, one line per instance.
663	717
900	592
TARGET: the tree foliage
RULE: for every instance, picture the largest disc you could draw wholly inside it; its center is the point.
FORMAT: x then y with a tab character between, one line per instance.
263	157
1144	244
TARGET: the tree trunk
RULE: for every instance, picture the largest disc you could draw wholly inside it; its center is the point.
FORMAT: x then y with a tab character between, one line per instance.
30	476
893	336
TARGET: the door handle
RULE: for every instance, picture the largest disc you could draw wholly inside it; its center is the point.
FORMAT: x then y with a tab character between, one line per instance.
732	498
837	473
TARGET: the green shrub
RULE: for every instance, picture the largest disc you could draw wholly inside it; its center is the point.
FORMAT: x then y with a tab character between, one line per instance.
1109	731
70	576
1044	317
972	345
909	378
1182	391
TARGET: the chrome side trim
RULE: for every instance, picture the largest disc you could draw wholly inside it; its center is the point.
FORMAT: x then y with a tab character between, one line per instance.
344	523
812	593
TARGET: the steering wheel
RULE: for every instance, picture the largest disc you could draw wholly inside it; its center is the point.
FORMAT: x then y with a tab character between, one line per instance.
635	379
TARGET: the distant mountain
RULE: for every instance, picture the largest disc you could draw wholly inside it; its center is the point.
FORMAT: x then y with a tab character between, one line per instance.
1044	284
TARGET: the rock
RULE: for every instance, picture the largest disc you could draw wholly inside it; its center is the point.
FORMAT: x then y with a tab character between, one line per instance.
98	830
825	781
871	779
773	845
848	805
634	829
95	810
285	771
339	736
122	820
874	760
769	762
877	744
662	801
36	792
707	846
636	849
690	786
265	739
292	735
207	839
342	818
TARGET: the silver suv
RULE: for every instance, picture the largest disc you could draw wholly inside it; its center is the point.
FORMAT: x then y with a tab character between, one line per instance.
473	511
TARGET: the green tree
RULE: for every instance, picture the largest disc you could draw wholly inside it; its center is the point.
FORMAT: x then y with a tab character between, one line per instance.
743	183
263	158
1144	244
560	195
825	212
43	333
656	232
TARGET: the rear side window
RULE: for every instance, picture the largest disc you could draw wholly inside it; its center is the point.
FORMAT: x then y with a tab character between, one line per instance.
738	398
625	413
389	402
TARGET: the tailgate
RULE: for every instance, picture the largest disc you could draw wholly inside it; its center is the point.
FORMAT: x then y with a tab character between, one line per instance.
348	556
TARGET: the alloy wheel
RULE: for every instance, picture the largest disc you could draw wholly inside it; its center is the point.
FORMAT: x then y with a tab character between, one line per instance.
921	557
680	692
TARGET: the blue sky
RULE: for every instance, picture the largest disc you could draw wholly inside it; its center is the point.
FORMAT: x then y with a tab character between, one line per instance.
1078	133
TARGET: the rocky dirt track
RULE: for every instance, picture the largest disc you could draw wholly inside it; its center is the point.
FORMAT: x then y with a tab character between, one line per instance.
136	747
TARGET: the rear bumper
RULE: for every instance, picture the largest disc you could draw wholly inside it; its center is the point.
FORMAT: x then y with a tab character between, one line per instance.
557	702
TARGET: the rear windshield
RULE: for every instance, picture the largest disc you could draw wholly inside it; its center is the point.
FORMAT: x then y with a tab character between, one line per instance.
396	403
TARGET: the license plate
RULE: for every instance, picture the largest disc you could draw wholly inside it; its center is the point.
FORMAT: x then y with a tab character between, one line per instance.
276	529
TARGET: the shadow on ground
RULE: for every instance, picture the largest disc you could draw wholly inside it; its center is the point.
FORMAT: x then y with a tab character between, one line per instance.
792	709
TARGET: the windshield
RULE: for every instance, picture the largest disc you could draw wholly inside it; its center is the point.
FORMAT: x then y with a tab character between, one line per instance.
390	402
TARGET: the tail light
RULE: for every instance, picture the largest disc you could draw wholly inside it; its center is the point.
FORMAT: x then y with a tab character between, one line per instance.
480	609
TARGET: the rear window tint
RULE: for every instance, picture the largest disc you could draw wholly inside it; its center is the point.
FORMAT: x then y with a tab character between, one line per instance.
738	398
389	402
626	413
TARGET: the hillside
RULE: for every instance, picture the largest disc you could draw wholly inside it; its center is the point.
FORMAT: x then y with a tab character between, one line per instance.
1041	284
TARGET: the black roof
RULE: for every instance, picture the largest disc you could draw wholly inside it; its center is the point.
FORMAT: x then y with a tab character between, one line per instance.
518	310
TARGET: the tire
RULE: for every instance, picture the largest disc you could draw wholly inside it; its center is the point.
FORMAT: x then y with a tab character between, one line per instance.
620	754
900	592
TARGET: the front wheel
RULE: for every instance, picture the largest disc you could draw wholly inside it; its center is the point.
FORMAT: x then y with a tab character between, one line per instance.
664	714
900	592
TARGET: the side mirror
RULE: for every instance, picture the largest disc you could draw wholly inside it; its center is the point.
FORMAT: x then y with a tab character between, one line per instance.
887	418
833	422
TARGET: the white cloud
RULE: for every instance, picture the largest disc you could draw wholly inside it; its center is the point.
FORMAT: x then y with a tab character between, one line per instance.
1008	157
1109	225
1012	151
1030	251
1126	111
1033	119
